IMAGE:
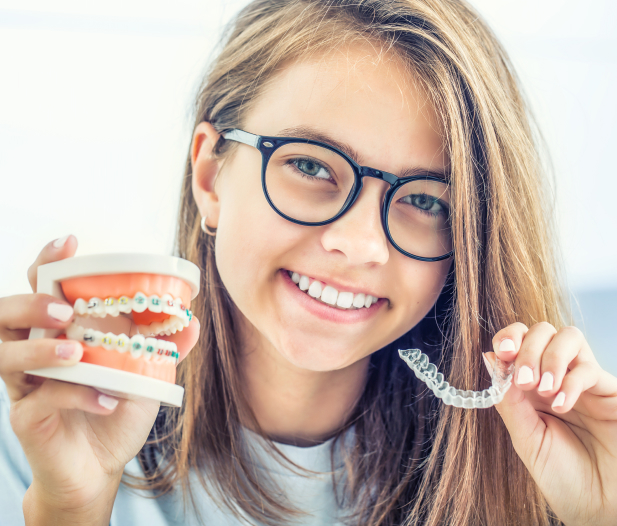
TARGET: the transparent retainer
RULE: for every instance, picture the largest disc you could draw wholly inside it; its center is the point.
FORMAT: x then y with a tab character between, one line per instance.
428	373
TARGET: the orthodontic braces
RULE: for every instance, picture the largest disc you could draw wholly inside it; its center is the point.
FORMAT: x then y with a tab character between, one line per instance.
428	373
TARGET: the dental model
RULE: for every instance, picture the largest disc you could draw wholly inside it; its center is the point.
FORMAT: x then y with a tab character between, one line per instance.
427	372
124	306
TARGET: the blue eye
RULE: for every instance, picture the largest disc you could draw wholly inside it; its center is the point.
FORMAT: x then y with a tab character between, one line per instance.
426	203
311	168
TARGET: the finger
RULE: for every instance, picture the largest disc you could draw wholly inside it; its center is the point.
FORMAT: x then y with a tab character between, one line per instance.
558	356
601	402
28	414
524	425
579	379
21	312
17	357
56	250
527	369
507	341
186	339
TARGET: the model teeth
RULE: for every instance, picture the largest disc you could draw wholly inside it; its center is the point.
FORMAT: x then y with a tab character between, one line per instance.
179	315
161	350
125	304
169	306
140	302
142	344
331	296
137	345
155	304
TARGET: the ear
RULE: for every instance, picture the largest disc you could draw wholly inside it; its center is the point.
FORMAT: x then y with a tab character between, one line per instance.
205	168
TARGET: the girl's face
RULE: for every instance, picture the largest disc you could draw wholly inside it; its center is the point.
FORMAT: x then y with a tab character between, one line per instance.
372	106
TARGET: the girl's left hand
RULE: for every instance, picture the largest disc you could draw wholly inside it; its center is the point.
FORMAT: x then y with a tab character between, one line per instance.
561	413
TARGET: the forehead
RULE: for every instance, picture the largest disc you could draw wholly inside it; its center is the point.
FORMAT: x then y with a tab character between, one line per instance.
360	96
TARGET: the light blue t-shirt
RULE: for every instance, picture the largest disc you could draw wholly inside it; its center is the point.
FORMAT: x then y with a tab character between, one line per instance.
313	494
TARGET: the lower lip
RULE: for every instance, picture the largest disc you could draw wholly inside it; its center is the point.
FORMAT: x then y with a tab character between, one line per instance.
324	311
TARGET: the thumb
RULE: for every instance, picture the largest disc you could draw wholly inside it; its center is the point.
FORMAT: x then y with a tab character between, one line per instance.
524	425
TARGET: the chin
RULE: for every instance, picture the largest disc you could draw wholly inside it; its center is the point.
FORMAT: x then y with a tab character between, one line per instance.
325	356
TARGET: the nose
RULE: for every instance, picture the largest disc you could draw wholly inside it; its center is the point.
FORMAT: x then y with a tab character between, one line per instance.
359	232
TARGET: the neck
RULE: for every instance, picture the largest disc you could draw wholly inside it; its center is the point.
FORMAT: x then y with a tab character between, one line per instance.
298	406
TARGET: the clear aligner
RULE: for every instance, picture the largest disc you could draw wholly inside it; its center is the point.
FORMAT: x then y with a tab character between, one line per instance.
428	373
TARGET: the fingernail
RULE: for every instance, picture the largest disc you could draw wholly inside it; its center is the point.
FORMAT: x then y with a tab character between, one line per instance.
546	384
107	401
60	311
68	350
559	400
507	346
525	375
59	243
489	367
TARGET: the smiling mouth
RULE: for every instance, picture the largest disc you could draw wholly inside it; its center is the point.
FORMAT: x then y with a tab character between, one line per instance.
327	294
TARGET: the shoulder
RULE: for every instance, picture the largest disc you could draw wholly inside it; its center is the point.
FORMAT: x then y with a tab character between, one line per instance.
15	473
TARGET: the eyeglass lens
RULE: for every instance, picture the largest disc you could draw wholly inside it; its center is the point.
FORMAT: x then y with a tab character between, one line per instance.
311	184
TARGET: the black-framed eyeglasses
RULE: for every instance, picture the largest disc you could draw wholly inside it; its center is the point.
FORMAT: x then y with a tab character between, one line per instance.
313	183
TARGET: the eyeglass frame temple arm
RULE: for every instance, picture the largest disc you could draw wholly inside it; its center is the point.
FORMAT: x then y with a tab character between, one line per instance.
243	137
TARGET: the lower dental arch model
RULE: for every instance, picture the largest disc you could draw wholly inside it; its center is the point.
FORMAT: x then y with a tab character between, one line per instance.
427	372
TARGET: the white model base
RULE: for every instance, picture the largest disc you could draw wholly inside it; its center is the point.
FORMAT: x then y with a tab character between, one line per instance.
116	382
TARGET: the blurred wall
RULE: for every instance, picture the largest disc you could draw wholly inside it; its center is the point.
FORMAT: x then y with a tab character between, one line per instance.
95	124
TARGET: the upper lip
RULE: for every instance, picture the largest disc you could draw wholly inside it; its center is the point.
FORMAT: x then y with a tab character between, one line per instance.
338	285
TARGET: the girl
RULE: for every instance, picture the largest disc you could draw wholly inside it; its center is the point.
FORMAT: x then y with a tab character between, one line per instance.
316	270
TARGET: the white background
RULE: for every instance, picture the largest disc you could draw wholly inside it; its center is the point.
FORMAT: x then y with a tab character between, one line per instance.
95	104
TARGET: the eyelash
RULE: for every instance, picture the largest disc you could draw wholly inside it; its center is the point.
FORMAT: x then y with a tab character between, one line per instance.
312	177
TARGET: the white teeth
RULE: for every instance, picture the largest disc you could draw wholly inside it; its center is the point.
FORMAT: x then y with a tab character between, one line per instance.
329	294
156	328
315	289
137	345
140	302
122	343
92	338
358	300
96	308
125	304
74	331
168	304
144	329
80	307
151	347
109	341
155	304
345	299
111	307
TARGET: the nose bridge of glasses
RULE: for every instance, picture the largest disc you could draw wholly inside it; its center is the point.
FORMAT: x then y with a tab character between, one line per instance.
367	171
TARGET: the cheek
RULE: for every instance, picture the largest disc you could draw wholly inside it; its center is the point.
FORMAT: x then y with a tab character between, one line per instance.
420	289
247	249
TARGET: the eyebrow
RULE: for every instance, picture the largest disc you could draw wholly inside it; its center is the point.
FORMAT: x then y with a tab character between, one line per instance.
313	134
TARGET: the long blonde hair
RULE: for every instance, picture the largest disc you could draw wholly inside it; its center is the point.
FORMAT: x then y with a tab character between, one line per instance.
413	461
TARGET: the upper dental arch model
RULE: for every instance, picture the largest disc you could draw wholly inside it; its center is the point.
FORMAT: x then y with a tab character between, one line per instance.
428	373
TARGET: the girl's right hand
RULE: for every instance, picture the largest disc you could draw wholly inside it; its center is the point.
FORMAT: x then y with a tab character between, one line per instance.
77	440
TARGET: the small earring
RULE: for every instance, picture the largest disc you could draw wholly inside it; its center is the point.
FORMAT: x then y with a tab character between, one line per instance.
206	228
